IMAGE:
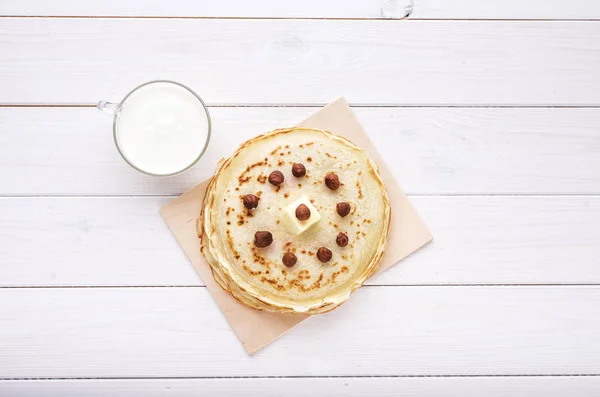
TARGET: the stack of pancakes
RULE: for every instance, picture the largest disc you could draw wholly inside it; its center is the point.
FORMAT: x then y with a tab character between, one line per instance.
253	251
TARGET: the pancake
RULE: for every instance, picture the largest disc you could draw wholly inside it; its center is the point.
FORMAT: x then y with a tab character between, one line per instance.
328	266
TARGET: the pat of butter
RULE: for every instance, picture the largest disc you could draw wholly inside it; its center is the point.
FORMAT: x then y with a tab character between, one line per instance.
294	225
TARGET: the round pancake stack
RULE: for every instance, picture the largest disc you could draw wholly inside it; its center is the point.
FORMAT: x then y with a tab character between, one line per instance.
294	221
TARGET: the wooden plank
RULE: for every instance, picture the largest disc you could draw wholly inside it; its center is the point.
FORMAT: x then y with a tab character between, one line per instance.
405	331
303	61
70	151
215	9
477	240
422	9
556	386
506	9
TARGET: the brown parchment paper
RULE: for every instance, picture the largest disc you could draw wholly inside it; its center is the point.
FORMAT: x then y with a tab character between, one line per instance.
255	328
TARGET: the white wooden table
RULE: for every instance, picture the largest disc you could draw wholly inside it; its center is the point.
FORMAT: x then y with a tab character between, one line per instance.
487	112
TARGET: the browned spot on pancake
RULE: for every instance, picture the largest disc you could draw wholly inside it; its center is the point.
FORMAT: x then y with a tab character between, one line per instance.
353	211
335	226
224	200
303	251
366	220
229	210
363	234
351	245
299	185
310	143
280	163
277	188
360	195
359	172
241	219
286	146
252	272
334	276
275	150
229	223
304	274
259	193
257	258
312	201
310	253
354	161
277	221
352	222
243	178
237	189
268	280
301	146
289	152
283	272
344	257
287	245
358	225
262	178
230	242
248	212
330	156
309	159
286	195
344	269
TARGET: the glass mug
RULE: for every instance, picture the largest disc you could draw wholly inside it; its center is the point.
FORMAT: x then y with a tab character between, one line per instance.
160	128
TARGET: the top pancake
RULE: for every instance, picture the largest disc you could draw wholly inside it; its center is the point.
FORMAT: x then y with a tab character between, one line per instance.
257	276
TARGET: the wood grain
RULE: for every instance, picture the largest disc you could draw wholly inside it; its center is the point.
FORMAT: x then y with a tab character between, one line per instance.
293	62
477	240
180	332
70	151
555	386
423	9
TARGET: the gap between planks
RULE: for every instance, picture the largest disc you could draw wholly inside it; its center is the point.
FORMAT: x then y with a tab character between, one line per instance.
497	285
312	377
390	19
116	196
320	105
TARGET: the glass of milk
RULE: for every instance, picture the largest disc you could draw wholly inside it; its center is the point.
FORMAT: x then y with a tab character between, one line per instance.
160	128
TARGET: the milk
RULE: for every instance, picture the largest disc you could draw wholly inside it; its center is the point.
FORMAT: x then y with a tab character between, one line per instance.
162	128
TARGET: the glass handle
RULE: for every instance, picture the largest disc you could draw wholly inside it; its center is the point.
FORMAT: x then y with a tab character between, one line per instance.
108	108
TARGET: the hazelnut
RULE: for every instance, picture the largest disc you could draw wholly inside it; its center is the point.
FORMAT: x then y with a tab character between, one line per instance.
341	239
342	209
251	201
263	239
289	259
324	254
298	170
276	178
302	212
332	181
